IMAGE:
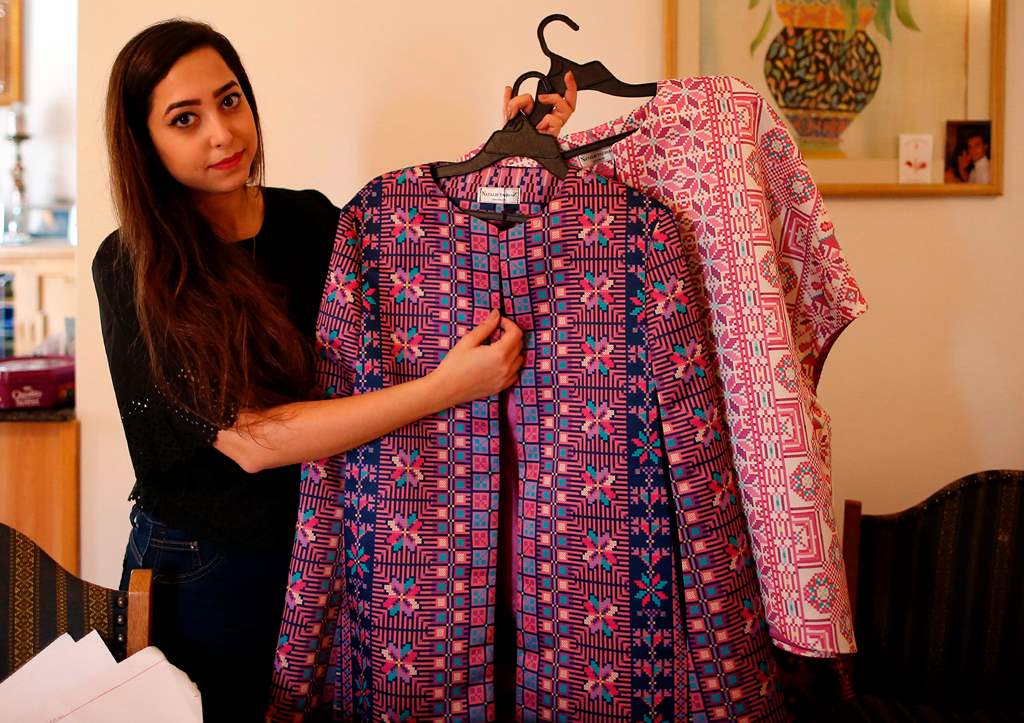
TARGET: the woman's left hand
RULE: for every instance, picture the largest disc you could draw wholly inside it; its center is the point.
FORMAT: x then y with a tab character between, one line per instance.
562	107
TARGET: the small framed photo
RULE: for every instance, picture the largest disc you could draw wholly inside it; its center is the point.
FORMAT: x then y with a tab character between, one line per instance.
48	222
968	154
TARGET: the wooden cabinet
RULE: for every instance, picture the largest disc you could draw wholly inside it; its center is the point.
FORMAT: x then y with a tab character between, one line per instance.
39	454
39	494
44	290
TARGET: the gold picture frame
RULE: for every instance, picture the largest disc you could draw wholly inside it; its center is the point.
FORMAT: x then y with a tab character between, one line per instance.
10	51
683	56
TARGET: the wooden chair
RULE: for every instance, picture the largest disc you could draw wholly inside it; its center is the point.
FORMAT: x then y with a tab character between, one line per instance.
938	596
40	601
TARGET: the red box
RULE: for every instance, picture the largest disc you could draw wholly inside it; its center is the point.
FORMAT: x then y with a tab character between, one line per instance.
36	382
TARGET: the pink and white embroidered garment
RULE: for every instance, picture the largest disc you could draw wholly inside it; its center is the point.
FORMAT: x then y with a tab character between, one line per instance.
779	292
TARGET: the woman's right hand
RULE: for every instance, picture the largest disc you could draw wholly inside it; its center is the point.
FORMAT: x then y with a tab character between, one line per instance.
473	369
301	431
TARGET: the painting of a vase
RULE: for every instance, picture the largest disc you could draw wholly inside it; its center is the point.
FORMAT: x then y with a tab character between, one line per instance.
821	74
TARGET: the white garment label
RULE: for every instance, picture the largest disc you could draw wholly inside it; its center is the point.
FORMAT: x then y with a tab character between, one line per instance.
605	156
497	194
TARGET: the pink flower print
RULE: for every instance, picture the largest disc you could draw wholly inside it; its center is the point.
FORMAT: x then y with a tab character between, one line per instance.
805	481
407	285
404	533
401	597
801	187
367	367
597	355
724	487
650	239
360	682
738	550
304	533
408	174
765	676
708	425
600	615
658	238
787	374
638	306
596	226
357	558
281	655
601	681
648	446
341	286
597	485
597	420
407	225
405	345
351	232
670	296
770	269
328	343
398	662
293	594
600	550
752	614
650	590
369	296
821	593
313	471
688	360
777	146
597	290
408	468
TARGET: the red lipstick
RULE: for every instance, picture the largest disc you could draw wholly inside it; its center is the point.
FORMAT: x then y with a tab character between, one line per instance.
228	163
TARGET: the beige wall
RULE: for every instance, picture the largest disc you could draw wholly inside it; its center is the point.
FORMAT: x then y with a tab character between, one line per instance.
923	389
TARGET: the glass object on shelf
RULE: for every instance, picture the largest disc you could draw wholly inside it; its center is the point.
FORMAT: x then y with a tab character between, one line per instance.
15	216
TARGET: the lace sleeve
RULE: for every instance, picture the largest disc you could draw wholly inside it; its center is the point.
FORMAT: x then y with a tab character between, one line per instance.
159	433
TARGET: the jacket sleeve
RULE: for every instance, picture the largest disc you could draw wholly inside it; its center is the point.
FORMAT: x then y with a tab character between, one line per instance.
315	610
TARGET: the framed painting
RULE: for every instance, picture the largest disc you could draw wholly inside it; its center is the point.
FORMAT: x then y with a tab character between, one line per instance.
884	97
10	51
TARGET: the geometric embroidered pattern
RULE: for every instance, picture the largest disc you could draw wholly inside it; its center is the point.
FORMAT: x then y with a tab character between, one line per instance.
779	292
633	585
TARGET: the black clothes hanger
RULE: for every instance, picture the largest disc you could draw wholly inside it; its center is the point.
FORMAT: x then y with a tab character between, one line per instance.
518	137
543	110
589	76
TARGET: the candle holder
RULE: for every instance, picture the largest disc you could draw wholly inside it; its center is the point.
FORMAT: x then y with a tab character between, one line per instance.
15	212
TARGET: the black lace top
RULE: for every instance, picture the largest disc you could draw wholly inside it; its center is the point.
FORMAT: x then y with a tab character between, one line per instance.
180	478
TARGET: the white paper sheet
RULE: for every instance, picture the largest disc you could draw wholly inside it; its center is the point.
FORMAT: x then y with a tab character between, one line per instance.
80	682
61	664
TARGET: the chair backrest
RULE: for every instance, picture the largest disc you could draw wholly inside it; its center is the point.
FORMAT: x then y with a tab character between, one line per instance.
40	601
939	601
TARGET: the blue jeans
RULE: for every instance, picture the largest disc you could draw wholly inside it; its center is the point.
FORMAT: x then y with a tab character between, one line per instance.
216	613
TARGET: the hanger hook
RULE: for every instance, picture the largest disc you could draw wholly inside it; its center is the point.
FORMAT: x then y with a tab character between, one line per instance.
542	81
547	21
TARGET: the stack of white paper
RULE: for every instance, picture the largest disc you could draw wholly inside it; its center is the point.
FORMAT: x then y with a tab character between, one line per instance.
69	681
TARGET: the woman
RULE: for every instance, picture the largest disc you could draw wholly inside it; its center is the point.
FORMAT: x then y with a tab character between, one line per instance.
208	295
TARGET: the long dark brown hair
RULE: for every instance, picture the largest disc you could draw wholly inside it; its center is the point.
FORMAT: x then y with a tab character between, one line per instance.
218	341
